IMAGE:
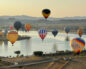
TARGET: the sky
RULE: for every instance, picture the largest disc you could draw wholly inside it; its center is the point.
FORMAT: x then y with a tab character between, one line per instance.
59	8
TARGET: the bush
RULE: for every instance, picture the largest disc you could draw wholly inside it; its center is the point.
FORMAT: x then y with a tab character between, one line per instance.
38	53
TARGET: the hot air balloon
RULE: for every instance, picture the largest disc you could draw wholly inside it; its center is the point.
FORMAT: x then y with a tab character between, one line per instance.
46	13
17	25
55	32
5	32
80	32
27	27
67	30
11	28
12	36
77	45
42	33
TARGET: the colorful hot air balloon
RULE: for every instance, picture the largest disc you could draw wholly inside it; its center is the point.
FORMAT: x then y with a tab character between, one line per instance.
77	45
46	13
27	27
55	32
80	32
42	33
12	36
11	28
17	25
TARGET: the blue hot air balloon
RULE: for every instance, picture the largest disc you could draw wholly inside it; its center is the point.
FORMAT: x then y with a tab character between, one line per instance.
55	32
67	30
17	25
5	32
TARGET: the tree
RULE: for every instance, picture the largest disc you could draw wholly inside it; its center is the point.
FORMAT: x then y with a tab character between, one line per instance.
17	52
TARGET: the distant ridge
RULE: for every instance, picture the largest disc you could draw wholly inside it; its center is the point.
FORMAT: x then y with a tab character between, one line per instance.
38	18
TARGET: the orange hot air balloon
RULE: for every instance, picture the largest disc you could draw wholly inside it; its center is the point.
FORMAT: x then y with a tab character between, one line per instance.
12	36
80	32
27	27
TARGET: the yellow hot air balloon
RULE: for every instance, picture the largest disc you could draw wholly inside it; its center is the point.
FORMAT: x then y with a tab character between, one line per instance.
27	27
12	36
80	32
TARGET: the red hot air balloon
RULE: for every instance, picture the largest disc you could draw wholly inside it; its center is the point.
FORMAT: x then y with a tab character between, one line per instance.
11	28
42	33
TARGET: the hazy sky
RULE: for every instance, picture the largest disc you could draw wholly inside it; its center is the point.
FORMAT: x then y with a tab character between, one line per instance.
59	8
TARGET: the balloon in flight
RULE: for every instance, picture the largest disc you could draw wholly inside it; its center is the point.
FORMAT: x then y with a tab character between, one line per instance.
17	25
5	32
55	32
42	33
11	28
46	13
80	32
12	36
77	45
67	30
27	27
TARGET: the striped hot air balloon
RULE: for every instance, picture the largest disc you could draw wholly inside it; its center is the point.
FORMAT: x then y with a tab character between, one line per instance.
77	45
42	33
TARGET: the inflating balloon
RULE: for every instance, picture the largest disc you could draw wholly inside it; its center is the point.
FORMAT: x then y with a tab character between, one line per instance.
46	13
77	45
80	32
55	32
67	30
17	25
27	27
42	33
12	36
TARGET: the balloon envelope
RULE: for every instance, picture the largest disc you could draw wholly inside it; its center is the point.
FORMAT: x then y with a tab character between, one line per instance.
55	32
17	25
67	29
42	33
27	27
46	13
77	44
12	36
80	32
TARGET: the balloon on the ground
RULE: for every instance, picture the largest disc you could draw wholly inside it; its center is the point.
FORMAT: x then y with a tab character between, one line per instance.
11	28
46	13
42	33
55	32
27	27
17	25
67	29
12	36
77	44
80	32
